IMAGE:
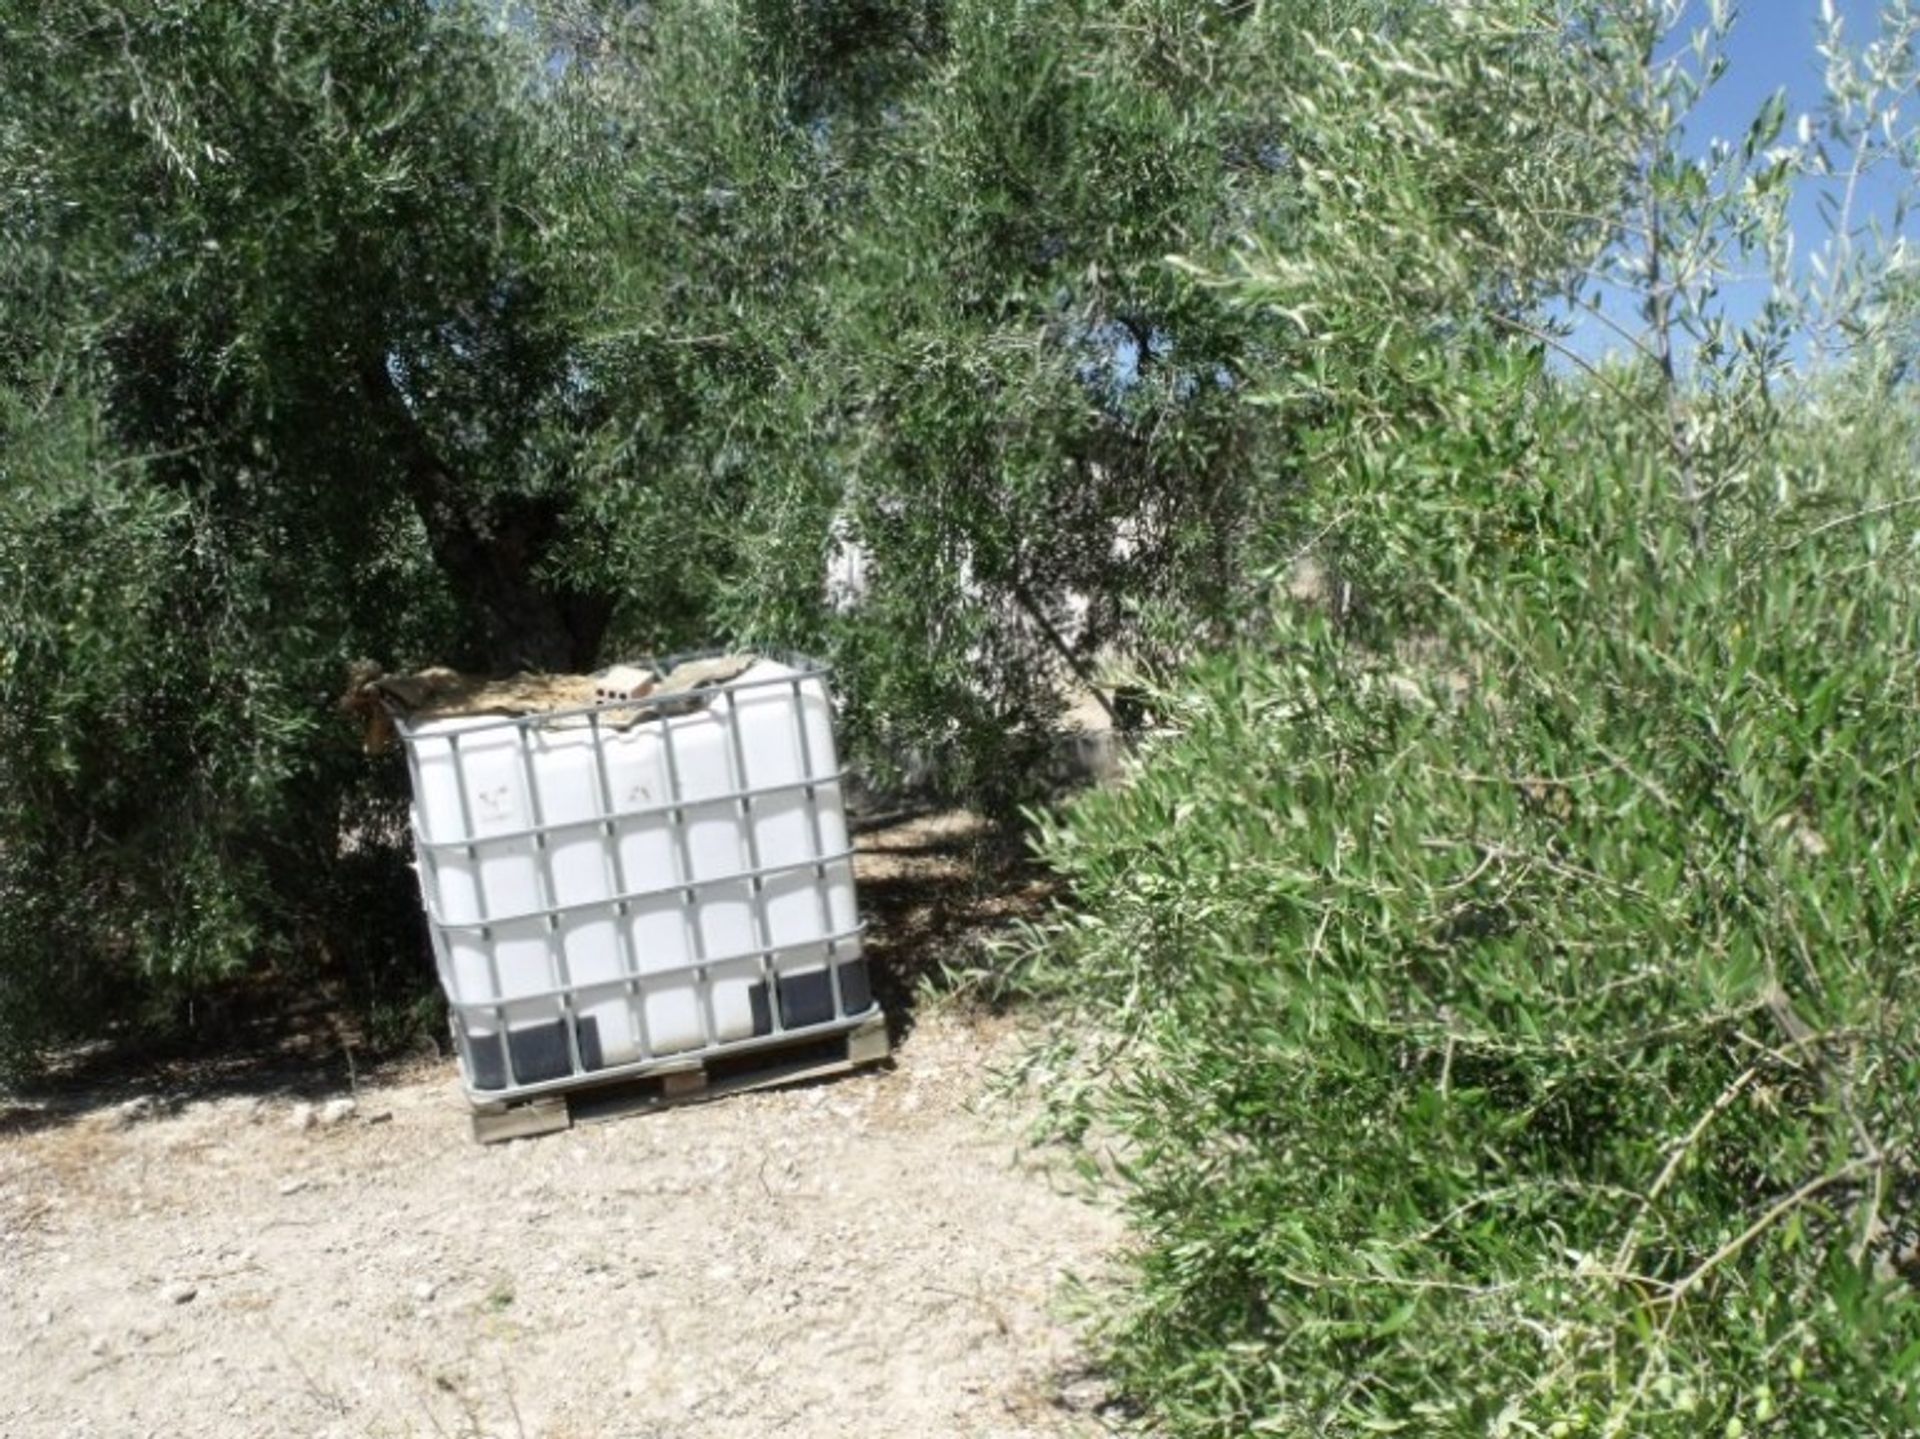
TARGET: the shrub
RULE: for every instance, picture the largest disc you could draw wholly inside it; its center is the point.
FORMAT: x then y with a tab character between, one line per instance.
1512	1031
1494	993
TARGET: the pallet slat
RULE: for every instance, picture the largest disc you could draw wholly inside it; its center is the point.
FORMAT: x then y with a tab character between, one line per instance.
720	1075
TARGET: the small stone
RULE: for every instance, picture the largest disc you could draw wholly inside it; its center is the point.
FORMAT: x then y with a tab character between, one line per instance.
293	1186
44	1318
180	1292
424	1291
133	1111
1083	1396
98	1347
337	1111
303	1116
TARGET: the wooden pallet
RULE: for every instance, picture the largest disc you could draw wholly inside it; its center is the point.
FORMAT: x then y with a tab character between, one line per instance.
685	1082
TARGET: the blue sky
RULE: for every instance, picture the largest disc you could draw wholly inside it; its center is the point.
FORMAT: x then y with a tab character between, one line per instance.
1771	48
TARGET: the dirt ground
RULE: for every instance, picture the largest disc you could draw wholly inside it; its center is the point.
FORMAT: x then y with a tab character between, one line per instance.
872	1254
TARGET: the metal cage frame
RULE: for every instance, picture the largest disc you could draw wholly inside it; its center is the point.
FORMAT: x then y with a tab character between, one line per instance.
851	1003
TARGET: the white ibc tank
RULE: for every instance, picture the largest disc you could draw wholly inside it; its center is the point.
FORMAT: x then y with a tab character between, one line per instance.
603	892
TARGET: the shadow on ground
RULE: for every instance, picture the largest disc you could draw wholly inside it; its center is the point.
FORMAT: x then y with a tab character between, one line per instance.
257	1040
933	886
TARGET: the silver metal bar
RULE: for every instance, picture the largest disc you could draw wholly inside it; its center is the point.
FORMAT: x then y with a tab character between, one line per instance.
687	886
757	886
426	867
550	893
644	812
844	936
616	883
485	935
689	906
812	803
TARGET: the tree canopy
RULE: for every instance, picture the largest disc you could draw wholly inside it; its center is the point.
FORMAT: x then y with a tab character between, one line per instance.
530	336
1498	967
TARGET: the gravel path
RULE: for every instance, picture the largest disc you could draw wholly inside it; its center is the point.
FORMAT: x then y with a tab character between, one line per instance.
867	1255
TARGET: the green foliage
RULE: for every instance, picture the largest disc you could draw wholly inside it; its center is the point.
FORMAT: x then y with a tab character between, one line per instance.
1040	426
231	408
1491	994
1512	1031
509	336
700	502
897	289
